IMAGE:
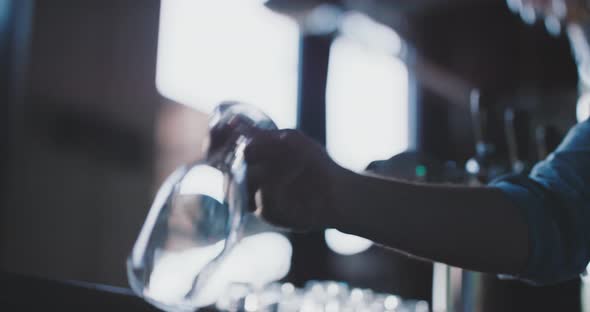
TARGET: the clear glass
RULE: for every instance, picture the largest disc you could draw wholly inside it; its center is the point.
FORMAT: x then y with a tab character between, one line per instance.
198	237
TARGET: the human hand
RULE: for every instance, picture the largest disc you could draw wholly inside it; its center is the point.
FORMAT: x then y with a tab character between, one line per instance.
292	180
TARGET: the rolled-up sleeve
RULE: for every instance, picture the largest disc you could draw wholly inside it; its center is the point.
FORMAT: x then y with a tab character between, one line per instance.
555	201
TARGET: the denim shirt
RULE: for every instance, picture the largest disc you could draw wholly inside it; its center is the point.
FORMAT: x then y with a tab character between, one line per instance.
555	202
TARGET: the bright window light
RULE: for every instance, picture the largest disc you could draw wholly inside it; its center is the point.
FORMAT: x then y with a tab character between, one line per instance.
367	105
583	107
367	115
215	50
346	244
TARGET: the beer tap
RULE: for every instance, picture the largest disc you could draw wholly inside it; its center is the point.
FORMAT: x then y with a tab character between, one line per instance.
517	133
482	167
547	139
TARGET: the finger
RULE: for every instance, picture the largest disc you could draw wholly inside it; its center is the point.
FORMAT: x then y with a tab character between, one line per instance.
220	135
256	174
228	130
270	205
265	145
258	204
278	209
269	173
267	187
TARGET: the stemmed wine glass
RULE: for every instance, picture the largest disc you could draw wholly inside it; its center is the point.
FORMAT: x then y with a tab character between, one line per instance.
194	241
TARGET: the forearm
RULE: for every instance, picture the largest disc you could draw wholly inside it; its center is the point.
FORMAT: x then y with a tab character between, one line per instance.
474	228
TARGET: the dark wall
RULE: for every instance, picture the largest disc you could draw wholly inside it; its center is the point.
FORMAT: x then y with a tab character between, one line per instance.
81	174
513	64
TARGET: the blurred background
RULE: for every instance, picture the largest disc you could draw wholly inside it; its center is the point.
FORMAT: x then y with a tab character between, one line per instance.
102	99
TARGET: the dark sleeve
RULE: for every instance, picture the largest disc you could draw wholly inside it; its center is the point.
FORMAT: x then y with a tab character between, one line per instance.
555	201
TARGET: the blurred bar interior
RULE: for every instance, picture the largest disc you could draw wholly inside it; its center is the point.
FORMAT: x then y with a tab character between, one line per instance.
102	99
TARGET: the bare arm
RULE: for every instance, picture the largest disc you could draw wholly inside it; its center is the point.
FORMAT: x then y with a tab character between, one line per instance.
474	228
298	186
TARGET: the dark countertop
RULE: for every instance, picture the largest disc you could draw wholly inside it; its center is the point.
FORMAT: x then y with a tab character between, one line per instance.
25	293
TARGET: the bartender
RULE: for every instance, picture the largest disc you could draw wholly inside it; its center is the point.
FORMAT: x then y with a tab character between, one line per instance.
533	227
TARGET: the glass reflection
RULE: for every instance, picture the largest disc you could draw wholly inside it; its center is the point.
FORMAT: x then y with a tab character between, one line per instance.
198	237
